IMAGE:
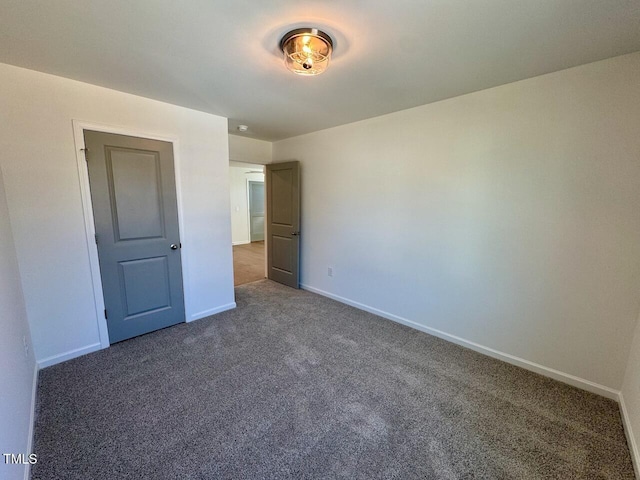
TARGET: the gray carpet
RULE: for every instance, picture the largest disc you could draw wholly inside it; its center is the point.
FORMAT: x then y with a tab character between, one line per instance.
293	385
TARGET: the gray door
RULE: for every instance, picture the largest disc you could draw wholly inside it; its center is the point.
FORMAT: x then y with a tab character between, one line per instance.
133	193
256	211
283	222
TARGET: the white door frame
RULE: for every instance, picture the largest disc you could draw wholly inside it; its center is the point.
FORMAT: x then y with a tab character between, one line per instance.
79	127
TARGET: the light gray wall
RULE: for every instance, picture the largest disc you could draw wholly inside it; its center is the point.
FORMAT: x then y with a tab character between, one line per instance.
43	194
631	398
507	217
17	368
249	150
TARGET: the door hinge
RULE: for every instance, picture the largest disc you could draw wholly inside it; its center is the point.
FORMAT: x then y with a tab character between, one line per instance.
105	314
86	153
96	236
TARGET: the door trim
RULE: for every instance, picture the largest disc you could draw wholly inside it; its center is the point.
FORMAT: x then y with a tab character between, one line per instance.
79	127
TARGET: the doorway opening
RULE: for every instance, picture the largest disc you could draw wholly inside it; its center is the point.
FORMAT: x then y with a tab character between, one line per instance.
247	221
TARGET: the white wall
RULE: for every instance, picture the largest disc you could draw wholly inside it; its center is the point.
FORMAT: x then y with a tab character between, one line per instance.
507	217
238	177
249	150
43	193
631	399
17	368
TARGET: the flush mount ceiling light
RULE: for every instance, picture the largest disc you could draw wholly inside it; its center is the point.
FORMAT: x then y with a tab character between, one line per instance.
242	128
307	51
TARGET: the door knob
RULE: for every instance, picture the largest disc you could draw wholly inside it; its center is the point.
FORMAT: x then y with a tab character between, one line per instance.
295	234
174	246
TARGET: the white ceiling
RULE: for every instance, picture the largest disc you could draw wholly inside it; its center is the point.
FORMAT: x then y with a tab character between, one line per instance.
221	56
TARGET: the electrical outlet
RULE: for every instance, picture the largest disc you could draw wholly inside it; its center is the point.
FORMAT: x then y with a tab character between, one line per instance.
330	271
26	346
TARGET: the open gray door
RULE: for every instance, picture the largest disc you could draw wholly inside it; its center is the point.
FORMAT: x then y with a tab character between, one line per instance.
283	222
133	193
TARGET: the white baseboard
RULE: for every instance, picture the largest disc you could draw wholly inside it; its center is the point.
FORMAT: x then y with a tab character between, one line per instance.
212	311
244	242
32	420
63	357
54	359
512	359
631	439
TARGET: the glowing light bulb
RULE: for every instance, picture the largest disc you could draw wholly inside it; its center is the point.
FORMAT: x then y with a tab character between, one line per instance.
307	51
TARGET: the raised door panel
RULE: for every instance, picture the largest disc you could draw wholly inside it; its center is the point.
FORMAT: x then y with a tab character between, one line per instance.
282	196
145	286
136	193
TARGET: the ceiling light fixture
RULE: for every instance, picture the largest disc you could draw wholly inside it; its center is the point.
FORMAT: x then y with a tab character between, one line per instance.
242	128
307	51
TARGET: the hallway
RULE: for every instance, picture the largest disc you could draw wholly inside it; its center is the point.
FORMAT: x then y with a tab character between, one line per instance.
248	263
